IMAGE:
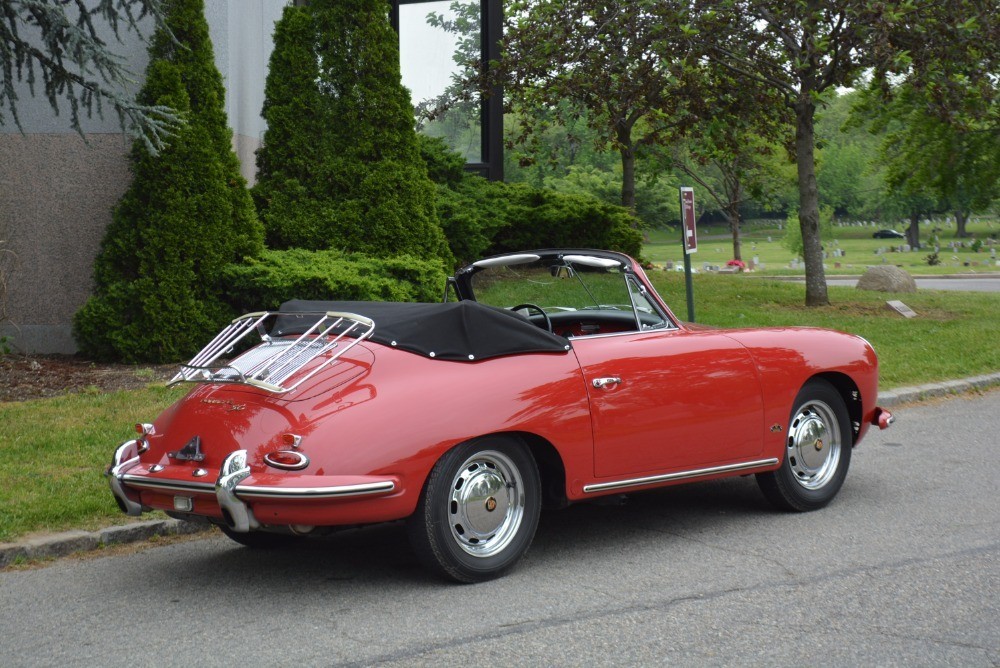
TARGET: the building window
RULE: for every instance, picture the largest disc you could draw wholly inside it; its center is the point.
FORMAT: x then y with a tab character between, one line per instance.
436	39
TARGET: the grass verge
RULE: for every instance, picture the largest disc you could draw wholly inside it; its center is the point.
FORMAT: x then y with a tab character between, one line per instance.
55	452
954	335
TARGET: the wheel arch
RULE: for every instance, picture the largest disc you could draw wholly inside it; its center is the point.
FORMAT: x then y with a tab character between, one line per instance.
551	469
848	391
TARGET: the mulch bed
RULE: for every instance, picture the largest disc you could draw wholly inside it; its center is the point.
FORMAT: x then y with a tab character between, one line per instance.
25	377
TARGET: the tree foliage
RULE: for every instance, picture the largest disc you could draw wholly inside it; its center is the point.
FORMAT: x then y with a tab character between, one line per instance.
947	51
186	216
340	166
954	161
60	42
624	64
806	49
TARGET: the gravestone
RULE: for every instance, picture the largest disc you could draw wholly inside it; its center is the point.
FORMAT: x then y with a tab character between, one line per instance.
901	308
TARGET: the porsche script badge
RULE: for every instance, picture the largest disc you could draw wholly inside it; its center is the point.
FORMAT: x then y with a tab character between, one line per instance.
233	406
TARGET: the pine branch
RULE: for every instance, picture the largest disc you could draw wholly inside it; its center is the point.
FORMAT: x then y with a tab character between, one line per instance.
59	42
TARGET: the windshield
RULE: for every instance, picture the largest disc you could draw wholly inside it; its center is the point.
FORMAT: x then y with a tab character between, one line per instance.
569	284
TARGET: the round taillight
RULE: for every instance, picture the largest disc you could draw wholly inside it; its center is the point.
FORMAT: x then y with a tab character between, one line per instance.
288	460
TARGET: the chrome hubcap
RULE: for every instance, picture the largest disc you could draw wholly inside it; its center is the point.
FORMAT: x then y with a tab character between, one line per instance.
487	503
814	445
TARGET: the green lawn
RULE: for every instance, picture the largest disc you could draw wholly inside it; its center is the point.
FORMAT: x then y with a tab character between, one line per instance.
954	335
763	239
55	452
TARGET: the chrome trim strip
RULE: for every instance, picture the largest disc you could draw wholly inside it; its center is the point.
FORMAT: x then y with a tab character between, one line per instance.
340	491
668	327
680	475
172	485
260	492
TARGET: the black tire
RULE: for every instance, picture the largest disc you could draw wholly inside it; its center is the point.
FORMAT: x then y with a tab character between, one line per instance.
261	540
478	511
817	453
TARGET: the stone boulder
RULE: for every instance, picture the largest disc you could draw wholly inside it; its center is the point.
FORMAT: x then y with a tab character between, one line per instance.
887	279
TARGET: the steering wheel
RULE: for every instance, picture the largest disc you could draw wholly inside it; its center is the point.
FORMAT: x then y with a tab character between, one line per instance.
536	307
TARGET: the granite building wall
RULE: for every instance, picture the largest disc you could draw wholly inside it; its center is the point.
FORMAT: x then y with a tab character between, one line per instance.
57	189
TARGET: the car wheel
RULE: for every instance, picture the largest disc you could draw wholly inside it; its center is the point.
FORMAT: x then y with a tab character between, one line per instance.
478	511
817	451
262	540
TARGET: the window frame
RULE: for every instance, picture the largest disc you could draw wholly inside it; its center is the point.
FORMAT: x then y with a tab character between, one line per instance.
491	106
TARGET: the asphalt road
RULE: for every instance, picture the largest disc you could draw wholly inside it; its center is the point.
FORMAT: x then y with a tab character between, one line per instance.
902	569
981	284
960	284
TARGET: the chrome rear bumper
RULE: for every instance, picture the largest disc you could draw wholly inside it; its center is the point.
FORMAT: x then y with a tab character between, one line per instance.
126	456
228	490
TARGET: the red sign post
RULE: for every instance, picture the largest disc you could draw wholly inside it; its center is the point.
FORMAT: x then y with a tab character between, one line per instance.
688	220
689	238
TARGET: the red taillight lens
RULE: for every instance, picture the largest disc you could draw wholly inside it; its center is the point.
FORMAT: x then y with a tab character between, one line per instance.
288	460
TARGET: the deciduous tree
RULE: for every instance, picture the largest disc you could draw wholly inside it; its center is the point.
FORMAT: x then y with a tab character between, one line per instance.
806	48
953	160
625	63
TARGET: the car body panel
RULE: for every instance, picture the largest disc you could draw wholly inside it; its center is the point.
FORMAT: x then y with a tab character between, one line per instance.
684	401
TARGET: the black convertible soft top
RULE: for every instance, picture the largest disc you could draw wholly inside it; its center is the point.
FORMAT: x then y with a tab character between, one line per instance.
462	331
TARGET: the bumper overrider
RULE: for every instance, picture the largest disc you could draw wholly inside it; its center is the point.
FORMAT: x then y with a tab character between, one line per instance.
231	490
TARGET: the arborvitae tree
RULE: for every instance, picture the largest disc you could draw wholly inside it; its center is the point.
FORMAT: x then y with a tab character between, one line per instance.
340	167
186	216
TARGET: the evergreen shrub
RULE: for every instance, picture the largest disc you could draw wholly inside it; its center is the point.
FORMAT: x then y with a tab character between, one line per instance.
340	166
277	276
186	216
539	218
483	217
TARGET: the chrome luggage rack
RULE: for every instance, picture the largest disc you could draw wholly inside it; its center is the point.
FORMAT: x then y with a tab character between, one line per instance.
274	361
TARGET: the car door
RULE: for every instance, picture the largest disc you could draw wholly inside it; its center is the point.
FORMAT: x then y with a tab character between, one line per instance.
670	400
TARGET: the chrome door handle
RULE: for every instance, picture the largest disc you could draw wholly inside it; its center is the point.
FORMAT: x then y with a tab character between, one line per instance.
601	383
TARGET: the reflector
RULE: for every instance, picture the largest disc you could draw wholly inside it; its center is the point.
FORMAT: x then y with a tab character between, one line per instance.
288	460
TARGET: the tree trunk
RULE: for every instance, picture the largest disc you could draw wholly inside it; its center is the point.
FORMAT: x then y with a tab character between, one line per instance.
913	231
961	218
733	189
627	151
733	215
812	248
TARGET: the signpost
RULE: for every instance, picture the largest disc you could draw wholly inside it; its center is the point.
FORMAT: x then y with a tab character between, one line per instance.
689	239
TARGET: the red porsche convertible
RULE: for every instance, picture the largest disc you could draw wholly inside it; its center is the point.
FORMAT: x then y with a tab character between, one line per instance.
543	378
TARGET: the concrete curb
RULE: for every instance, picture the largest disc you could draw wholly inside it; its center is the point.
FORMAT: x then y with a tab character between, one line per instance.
63	544
66	543
904	395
